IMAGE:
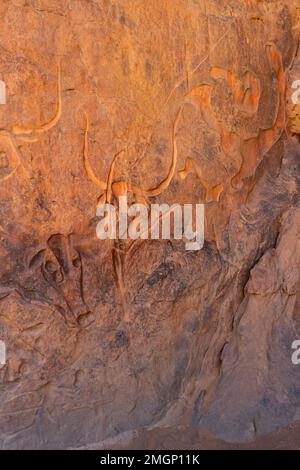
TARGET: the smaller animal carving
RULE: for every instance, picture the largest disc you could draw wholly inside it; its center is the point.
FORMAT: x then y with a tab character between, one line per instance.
9	139
61	267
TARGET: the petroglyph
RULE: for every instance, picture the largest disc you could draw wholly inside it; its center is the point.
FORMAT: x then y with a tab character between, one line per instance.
179	338
246	93
61	267
9	140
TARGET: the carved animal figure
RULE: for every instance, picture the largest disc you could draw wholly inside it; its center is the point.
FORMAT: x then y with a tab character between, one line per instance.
246	95
61	267
26	133
53	276
119	188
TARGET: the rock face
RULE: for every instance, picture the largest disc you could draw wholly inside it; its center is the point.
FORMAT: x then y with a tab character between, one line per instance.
181	101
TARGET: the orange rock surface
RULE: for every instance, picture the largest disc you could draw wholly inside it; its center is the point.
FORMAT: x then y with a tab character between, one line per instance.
175	101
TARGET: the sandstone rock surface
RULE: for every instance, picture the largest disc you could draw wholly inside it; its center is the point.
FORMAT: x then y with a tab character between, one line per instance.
129	345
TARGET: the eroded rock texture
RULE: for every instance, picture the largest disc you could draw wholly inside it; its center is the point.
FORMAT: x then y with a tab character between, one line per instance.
182	101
